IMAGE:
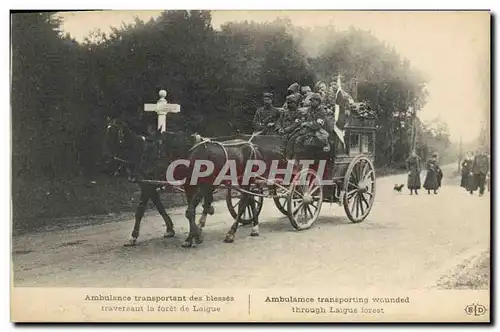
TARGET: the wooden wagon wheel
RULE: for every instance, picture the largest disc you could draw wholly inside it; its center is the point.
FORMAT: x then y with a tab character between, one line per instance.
359	189
233	199
281	201
305	200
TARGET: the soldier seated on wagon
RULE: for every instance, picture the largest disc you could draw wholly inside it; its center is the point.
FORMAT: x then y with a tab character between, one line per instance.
291	118
266	117
293	89
306	96
314	131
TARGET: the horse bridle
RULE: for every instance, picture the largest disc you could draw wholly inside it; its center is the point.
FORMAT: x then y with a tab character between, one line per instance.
121	137
121	134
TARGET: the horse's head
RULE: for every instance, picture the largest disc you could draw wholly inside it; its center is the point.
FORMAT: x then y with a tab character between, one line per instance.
121	148
162	148
114	139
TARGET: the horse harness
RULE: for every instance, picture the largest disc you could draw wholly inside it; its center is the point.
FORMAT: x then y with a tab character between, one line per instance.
204	141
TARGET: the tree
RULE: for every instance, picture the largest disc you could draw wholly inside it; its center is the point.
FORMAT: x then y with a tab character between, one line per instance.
378	75
434	136
64	91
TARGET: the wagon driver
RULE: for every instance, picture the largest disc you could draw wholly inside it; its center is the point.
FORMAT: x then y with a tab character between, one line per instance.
266	117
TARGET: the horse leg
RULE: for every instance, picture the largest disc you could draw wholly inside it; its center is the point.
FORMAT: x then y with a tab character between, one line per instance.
194	196
139	213
255	221
166	218
208	209
234	227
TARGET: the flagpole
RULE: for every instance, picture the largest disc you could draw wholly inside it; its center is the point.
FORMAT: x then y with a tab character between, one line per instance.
413	131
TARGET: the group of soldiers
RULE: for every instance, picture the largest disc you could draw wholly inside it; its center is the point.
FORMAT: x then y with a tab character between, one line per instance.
476	172
306	116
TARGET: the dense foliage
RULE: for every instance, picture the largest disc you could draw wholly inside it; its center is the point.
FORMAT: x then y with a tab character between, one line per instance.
63	91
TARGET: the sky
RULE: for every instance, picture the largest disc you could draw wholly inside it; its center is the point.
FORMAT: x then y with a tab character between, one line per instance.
451	48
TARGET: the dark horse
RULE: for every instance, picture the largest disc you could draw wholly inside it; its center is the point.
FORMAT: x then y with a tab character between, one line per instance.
124	149
238	151
218	153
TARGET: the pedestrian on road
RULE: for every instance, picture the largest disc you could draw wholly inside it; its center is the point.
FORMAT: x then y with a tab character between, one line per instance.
466	169
413	166
488	181
480	167
434	174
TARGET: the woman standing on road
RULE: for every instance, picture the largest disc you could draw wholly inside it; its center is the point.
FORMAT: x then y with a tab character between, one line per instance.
414	168
466	170
434	175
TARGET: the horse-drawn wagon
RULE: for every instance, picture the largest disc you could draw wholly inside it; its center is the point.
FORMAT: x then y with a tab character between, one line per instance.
344	175
347	178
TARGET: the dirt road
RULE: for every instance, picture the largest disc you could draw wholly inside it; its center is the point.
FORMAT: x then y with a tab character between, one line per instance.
409	241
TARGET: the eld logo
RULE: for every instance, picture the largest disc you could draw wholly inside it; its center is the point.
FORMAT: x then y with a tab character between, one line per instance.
475	309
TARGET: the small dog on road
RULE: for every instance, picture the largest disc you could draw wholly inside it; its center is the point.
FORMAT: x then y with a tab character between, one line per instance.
399	187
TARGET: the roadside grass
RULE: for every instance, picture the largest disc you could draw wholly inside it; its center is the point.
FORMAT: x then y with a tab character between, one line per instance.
472	274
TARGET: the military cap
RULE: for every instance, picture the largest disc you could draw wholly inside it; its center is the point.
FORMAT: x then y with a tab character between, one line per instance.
305	89
267	95
316	96
293	97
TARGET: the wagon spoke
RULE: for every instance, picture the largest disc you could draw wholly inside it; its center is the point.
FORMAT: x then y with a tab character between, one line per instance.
361	200
236	205
357	202
314	190
354	205
304	189
358	171
368	174
363	173
300	214
304	212
353	185
351	193
351	203
312	184
309	210
314	206
364	200
369	182
298	191
297	208
361	169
